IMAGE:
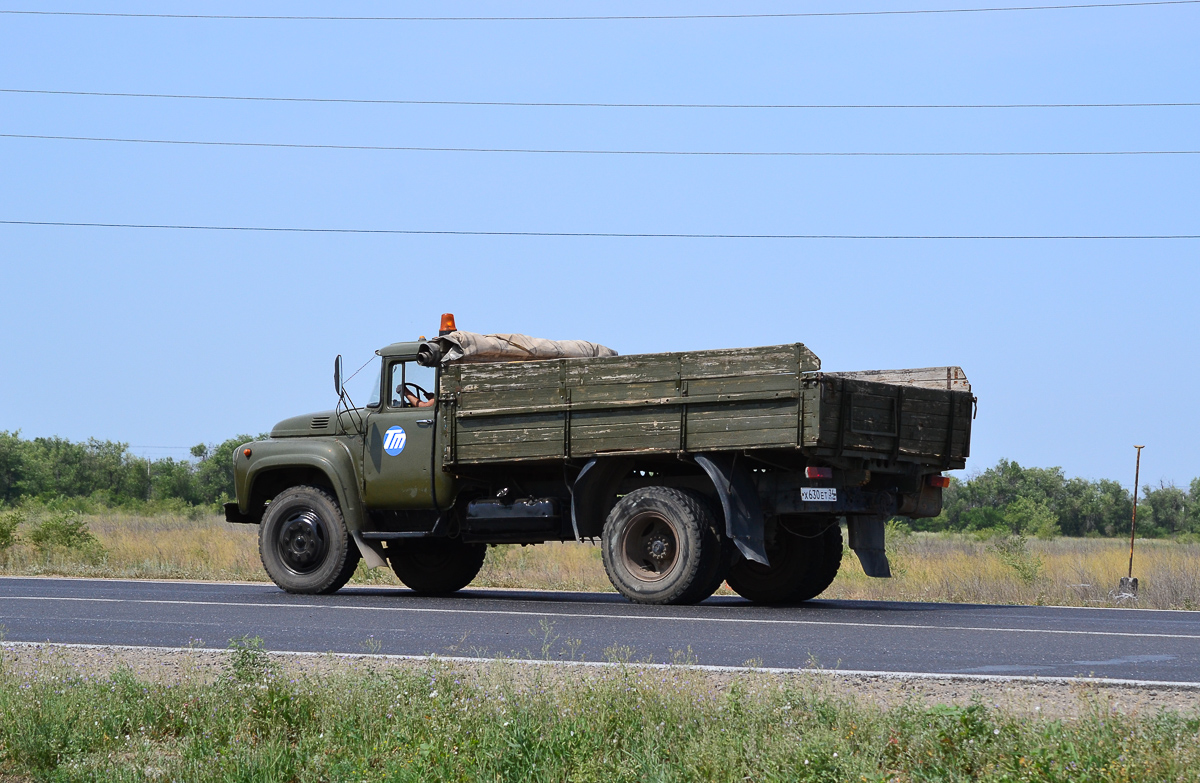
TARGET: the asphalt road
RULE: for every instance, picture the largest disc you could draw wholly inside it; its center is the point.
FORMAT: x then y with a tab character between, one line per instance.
857	635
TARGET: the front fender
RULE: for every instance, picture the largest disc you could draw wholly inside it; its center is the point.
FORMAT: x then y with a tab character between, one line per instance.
329	456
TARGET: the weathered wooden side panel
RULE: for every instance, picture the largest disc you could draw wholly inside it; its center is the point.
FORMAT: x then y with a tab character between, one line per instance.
652	428
490	438
770	424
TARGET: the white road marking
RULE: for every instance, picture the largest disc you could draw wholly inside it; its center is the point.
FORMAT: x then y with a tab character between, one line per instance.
595	616
886	675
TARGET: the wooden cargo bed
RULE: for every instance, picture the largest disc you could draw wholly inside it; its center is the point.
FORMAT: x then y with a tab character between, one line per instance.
738	399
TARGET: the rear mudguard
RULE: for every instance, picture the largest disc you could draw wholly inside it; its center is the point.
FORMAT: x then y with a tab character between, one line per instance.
739	500
593	494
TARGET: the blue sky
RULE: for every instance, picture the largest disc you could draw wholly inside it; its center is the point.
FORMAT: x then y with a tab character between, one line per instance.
1076	349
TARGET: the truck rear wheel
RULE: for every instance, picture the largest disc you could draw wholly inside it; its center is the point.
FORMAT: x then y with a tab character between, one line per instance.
304	544
662	546
803	564
436	566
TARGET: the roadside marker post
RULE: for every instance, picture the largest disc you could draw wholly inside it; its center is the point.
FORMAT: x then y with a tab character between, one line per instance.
1129	585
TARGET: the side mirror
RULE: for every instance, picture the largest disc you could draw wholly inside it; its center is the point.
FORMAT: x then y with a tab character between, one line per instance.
337	375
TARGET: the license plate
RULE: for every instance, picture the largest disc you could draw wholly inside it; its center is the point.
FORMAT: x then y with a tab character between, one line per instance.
818	494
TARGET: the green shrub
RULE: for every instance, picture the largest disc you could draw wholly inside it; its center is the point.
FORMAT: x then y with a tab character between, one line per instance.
9	521
64	530
1014	552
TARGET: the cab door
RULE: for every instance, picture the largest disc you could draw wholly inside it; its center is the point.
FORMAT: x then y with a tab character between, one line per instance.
399	447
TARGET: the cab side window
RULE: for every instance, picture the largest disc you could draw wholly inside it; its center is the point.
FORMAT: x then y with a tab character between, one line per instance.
410	381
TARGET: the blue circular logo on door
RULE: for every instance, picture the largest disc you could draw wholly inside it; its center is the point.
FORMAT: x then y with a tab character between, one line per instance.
394	440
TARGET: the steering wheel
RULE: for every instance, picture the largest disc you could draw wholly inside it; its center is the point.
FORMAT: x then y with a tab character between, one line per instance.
417	391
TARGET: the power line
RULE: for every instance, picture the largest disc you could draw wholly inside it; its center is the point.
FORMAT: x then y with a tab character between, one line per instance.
594	104
602	234
535	151
644	17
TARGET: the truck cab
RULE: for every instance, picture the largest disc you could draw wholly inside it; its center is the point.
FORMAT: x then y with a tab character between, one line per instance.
400	442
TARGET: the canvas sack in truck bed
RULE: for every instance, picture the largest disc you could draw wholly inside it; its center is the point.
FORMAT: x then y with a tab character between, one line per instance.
471	348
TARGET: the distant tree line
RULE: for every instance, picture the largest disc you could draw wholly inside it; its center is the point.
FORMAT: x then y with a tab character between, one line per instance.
107	473
1005	498
1044	502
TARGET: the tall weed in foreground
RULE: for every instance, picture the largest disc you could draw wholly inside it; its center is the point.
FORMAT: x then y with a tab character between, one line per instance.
511	723
249	661
896	540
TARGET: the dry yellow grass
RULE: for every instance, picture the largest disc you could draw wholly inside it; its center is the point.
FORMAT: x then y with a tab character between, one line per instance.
927	567
550	566
1069	572
158	547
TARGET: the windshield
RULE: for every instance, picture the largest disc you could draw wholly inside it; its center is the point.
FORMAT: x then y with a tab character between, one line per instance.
373	397
356	385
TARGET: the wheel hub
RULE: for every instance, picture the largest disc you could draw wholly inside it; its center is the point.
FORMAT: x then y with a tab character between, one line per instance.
302	542
649	547
658	548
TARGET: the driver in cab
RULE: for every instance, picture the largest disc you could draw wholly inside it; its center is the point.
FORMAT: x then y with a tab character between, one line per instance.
413	400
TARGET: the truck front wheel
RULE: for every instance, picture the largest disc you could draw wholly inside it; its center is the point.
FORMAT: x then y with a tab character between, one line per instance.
304	544
661	546
436	566
804	561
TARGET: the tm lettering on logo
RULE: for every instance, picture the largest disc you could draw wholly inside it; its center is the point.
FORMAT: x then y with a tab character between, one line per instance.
394	440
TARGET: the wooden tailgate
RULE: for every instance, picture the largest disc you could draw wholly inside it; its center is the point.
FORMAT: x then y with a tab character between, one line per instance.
893	421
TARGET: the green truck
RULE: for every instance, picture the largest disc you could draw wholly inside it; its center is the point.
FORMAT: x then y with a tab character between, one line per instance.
690	469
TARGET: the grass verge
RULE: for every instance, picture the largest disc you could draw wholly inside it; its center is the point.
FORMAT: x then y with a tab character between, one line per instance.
433	721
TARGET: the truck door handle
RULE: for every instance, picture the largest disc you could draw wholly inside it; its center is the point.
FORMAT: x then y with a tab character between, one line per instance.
424	421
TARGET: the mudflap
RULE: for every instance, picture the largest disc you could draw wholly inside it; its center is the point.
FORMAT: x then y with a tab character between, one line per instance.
866	539
372	556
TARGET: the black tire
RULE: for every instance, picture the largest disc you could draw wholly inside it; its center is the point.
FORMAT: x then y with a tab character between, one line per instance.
804	561
436	566
304	544
662	546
